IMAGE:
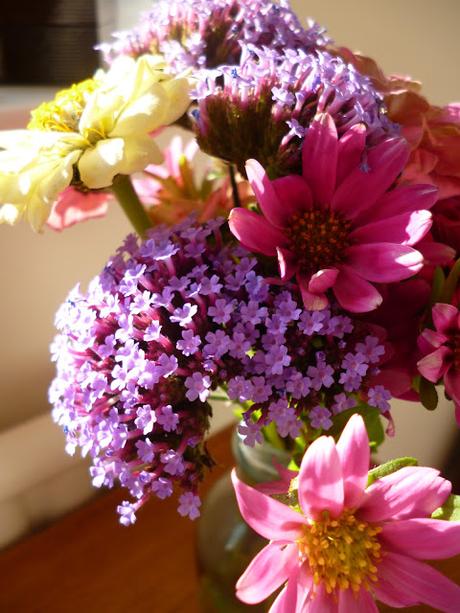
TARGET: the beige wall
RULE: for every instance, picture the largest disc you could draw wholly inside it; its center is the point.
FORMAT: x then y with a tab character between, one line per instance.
419	37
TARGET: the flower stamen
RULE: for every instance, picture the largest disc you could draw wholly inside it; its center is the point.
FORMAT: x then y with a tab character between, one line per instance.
318	238
342	552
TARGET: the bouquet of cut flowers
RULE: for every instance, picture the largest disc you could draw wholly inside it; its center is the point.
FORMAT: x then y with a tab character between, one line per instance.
307	270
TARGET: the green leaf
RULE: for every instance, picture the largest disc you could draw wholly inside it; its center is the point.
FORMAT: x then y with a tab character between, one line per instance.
389	467
372	420
450	510
428	394
451	283
439	280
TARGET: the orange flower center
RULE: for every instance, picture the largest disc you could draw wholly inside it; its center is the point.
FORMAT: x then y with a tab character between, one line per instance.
318	238
342	553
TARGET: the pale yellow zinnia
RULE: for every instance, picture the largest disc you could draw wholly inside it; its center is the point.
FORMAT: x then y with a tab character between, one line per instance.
87	135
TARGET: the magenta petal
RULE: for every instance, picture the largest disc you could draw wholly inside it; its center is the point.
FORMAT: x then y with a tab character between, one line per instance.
405	229
286	262
266	572
422	583
430	339
384	262
312	302
320	602
360	602
355	294
294	196
452	383
412	491
444	317
423	538
436	254
268	517
350	149
361	189
434	365
320	479
403	199
269	203
254	232
319	158
322	280
286	602
354	454
392	595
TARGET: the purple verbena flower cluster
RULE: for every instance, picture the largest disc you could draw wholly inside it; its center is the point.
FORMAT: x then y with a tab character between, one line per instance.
134	370
169	320
208	33
264	105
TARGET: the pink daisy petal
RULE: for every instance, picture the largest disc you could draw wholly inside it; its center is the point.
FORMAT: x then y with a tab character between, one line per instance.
320	479
406	229
384	262
267	571
294	196
286	602
452	383
267	516
392	595
255	232
434	365
361	602
405	199
435	253
319	158
354	454
350	149
322	280
320	602
267	198
361	189
430	339
355	294
424	584
423	538
73	207
412	491
286	262
312	302
444	317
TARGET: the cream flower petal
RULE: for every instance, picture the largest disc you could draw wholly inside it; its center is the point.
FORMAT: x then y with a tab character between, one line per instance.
139	152
179	99
11	213
143	114
99	165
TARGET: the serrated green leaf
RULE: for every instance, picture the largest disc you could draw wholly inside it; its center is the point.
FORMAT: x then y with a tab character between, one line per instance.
451	283
428	394
450	510
389	467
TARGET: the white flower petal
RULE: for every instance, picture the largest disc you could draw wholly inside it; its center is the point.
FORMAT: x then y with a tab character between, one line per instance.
11	213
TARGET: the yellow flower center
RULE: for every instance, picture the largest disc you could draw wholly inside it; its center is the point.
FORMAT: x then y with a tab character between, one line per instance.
342	553
63	113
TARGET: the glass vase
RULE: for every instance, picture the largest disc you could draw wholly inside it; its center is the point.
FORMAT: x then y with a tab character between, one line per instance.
225	543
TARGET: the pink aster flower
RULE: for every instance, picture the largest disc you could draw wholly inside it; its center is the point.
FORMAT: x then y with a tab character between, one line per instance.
441	350
341	225
344	544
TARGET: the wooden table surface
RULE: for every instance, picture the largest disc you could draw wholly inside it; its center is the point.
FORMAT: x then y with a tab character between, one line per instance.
88	562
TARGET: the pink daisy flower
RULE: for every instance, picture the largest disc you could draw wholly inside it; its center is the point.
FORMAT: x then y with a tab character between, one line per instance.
441	350
340	225
73	206
344	544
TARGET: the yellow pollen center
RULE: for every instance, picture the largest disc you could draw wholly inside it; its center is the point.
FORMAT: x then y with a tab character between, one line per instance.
342	553
318	238
63	113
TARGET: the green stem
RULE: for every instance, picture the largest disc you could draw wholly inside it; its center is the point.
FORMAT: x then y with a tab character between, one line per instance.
130	203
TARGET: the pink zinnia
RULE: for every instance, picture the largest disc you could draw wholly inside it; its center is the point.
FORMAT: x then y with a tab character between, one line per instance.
441	349
345	544
340	225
